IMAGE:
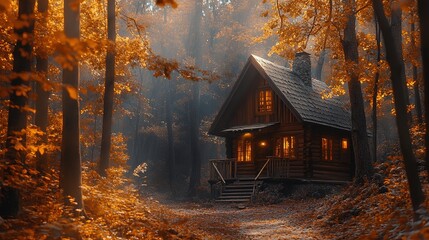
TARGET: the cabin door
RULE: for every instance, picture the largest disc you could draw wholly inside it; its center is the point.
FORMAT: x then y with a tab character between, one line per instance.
244	150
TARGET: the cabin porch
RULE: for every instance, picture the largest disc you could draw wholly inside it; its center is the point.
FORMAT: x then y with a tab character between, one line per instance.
238	180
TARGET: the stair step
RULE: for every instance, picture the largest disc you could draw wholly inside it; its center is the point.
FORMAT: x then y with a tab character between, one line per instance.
239	186
232	200
238	190
237	194
235	197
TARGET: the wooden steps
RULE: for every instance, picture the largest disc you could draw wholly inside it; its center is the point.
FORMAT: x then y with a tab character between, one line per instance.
239	191
246	170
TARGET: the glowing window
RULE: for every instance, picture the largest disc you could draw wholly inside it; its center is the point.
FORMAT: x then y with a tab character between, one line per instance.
265	101
344	144
286	147
327	149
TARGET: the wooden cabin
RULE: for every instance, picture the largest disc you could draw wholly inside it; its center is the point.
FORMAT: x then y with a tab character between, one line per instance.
277	125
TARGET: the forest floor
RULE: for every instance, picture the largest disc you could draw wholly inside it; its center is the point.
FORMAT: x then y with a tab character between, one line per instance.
239	221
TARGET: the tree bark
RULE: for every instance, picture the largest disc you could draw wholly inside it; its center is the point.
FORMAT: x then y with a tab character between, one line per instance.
108	90
194	49
70	166
396	26
417	97
423	9
320	63
17	118
375	90
395	63
42	103
170	138
364	168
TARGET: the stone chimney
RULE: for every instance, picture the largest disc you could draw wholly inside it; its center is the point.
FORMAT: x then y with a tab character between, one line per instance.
302	67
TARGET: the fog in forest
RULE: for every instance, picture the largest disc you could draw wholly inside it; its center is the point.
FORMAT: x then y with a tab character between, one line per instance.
165	121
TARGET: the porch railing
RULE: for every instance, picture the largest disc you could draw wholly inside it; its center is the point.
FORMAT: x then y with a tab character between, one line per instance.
223	169
276	167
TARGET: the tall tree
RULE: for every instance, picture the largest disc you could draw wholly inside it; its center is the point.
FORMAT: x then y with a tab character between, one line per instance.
375	90
106	137
41	118
395	63
423	9
70	166
396	26
194	50
359	129
17	118
417	98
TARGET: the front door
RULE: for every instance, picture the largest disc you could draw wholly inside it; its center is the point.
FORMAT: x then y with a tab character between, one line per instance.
244	150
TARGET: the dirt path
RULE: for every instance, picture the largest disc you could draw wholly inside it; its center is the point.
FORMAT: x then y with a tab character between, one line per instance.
227	221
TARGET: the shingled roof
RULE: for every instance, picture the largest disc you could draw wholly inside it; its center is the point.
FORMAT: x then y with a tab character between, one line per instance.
307	101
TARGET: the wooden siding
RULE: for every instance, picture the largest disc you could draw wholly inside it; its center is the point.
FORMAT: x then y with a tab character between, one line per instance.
247	113
341	165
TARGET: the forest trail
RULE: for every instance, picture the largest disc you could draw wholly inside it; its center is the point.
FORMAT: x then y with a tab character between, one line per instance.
227	221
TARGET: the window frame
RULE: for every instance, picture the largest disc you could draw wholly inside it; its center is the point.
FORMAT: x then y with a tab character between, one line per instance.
285	147
327	149
262	106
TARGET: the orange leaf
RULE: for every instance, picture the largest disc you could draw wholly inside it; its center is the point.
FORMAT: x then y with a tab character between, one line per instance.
72	91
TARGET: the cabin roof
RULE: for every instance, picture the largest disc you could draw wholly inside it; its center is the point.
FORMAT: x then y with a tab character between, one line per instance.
306	102
250	127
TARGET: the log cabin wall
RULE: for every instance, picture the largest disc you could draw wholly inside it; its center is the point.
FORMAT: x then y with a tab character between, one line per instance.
338	164
247	112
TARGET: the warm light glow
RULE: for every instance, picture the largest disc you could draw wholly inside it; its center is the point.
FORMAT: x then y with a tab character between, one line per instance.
344	143
246	135
263	144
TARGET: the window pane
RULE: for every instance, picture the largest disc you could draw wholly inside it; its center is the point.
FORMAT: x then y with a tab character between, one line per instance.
286	147
344	144
330	149
292	147
248	151
268	100
324	149
240	155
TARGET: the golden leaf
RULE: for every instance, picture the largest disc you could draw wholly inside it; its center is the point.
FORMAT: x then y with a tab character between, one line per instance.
72	91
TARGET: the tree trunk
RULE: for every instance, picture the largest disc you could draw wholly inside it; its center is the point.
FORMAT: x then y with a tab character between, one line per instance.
70	166
17	118
417	97
396	26
375	90
194	181
320	63
395	63
171	162
108	90
194	49
423	9
41	118
362	153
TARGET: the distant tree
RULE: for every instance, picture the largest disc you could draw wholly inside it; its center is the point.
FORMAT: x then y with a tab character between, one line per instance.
70	165
194	50
41	117
17	118
423	9
106	136
395	62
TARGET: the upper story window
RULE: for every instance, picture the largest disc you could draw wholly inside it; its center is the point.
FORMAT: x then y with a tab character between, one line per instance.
327	149
265	101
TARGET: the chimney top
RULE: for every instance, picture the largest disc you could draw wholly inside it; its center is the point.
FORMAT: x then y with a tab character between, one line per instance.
302	67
